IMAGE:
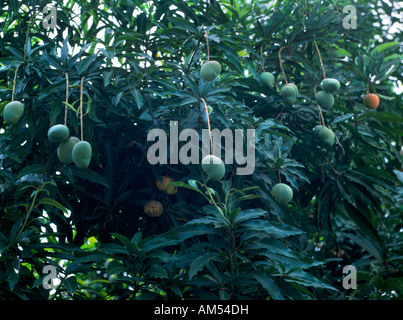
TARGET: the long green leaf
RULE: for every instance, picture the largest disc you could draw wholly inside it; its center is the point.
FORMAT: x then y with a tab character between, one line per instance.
70	283
371	246
190	230
52	203
249	214
90	175
199	263
269	284
13	272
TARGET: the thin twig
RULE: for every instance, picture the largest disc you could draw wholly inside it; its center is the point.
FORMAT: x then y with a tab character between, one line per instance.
67	98
261	55
281	114
341	146
320	59
191	58
27	37
327	161
81	108
29	212
208	47
279	175
46	165
281	64
25	54
208	122
15	81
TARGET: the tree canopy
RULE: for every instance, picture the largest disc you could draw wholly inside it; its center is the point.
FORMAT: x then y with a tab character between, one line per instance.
112	71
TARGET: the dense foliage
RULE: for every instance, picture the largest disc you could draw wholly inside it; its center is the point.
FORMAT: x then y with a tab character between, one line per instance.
137	65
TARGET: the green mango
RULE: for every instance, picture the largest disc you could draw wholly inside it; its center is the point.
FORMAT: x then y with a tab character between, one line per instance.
13	111
324	99
81	154
330	85
210	70
289	92
327	137
267	79
65	150
316	130
214	167
282	193
294	86
58	133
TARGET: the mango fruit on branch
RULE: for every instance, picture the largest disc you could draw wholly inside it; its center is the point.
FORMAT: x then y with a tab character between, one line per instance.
58	133
81	154
13	111
210	70
214	167
371	100
282	193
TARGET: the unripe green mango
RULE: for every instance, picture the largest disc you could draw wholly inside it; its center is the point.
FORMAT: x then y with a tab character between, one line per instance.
214	167
288	90
282	193
13	111
324	99
210	70
65	150
58	133
327	137
267	79
330	85
294	86
81	154
317	129
289	93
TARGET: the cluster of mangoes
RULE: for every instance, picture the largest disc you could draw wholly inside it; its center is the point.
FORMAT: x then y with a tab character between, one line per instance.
289	91
154	208
325	97
213	166
281	192
71	149
325	100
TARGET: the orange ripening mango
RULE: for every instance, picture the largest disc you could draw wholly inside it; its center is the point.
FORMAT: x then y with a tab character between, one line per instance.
153	208
165	187
371	100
